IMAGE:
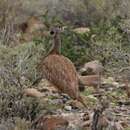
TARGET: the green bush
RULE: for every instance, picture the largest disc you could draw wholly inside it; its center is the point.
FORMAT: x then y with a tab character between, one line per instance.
105	42
17	71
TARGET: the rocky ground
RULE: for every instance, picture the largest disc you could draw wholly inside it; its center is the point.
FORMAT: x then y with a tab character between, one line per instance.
41	107
111	96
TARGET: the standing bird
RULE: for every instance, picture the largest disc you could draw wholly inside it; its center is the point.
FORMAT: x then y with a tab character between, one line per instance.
59	70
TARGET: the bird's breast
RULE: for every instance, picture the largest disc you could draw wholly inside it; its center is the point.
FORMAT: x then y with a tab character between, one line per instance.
61	72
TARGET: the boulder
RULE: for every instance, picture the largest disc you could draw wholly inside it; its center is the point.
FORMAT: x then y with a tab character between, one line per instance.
93	67
51	123
90	80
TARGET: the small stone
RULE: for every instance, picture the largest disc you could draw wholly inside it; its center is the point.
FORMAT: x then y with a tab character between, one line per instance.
92	97
109	80
115	84
56	101
92	67
68	108
81	30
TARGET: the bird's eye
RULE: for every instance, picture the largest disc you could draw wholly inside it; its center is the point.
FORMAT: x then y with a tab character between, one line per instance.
52	32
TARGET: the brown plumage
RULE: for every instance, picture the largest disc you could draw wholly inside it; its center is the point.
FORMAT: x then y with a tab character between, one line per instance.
59	70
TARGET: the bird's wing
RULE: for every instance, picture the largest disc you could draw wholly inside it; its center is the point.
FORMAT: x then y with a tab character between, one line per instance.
61	72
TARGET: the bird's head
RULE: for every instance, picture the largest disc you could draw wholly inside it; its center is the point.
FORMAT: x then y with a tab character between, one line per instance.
55	31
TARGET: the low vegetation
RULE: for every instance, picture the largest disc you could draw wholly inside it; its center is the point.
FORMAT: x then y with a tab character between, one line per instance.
107	40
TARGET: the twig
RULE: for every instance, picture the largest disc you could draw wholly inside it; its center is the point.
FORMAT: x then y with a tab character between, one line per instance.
124	68
98	115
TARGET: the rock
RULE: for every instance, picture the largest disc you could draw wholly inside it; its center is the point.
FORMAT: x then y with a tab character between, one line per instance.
90	80
81	30
110	83
51	123
92	97
75	120
93	67
31	28
56	101
33	24
68	108
116	84
109	80
33	92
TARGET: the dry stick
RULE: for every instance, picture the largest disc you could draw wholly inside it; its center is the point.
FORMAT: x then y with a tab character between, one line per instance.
97	115
124	68
98	111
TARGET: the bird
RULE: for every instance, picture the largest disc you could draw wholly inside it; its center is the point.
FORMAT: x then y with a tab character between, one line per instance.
59	70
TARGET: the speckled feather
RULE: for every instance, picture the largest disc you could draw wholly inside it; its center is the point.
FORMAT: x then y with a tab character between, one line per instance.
60	71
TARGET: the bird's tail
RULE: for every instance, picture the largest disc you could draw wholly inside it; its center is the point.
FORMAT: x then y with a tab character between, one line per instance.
80	99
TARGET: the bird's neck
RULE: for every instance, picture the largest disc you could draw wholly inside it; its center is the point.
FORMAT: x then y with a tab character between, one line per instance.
56	46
